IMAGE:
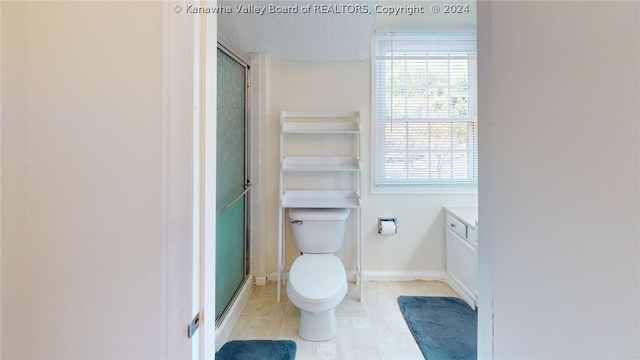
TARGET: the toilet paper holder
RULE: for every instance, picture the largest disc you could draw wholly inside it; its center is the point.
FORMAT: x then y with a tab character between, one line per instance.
394	220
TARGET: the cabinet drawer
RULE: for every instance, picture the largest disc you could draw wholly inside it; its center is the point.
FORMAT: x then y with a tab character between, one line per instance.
456	226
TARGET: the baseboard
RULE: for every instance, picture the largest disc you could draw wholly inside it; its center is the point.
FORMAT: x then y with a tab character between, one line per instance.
399	275
383	276
273	276
457	287
229	321
261	280
418	275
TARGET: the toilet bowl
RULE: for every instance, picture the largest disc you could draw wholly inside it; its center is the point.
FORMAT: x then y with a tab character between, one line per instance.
317	280
317	284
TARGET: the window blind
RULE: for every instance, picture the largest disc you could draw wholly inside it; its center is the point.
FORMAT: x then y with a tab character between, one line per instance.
425	107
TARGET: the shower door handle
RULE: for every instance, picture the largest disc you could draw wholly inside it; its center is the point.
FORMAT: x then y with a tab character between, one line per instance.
247	187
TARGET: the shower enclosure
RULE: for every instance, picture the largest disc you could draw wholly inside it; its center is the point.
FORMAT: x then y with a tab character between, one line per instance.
232	183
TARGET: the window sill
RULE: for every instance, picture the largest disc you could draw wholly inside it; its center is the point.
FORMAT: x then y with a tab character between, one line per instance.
426	189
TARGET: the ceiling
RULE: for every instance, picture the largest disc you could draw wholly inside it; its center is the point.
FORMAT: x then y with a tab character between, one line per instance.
328	31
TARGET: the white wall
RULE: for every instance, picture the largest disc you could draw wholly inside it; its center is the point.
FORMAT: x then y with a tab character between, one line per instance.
418	249
14	176
302	86
82	180
564	211
259	198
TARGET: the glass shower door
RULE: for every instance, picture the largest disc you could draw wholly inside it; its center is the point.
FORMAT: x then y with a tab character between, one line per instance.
231	181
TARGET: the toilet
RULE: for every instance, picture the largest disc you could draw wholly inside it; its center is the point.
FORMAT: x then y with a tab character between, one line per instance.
317	280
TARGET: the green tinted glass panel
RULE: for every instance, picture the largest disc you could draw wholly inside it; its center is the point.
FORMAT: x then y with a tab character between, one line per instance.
230	180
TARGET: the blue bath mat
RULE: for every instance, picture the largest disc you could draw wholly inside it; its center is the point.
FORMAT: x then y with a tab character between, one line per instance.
445	328
257	350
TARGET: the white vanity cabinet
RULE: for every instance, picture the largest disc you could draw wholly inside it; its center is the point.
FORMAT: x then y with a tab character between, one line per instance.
462	251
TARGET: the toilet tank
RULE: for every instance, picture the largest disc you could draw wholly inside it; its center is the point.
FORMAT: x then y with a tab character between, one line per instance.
318	231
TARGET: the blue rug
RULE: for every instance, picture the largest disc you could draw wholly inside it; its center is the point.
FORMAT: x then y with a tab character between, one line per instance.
257	350
445	328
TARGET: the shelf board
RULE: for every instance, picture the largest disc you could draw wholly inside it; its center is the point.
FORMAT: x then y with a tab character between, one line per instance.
320	127
320	114
320	163
320	199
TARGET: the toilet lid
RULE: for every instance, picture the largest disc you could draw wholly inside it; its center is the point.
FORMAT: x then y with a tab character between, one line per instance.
317	277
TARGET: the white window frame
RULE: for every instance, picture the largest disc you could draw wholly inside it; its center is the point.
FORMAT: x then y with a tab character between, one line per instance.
427	187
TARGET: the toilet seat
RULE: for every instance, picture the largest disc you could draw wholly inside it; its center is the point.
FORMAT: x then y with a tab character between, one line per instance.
317	278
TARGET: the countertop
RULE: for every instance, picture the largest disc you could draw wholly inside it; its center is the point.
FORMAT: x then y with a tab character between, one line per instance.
466	214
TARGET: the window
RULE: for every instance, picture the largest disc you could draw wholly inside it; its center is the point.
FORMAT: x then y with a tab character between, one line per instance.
425	126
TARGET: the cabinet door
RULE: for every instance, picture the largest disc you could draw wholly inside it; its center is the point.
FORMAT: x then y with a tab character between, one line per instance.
461	263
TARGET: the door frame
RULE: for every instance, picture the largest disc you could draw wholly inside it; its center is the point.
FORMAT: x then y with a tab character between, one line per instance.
177	255
485	179
189	120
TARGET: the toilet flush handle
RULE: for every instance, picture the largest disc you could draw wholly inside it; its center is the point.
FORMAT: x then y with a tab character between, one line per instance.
297	222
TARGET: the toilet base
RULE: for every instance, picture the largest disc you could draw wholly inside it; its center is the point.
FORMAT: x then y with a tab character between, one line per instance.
318	326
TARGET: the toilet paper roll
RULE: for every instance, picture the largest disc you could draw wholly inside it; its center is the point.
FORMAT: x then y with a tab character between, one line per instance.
387	228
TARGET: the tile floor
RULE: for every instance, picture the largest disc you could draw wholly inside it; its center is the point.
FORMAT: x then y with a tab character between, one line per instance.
374	329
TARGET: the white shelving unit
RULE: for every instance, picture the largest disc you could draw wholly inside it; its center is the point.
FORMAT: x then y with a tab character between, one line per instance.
323	165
